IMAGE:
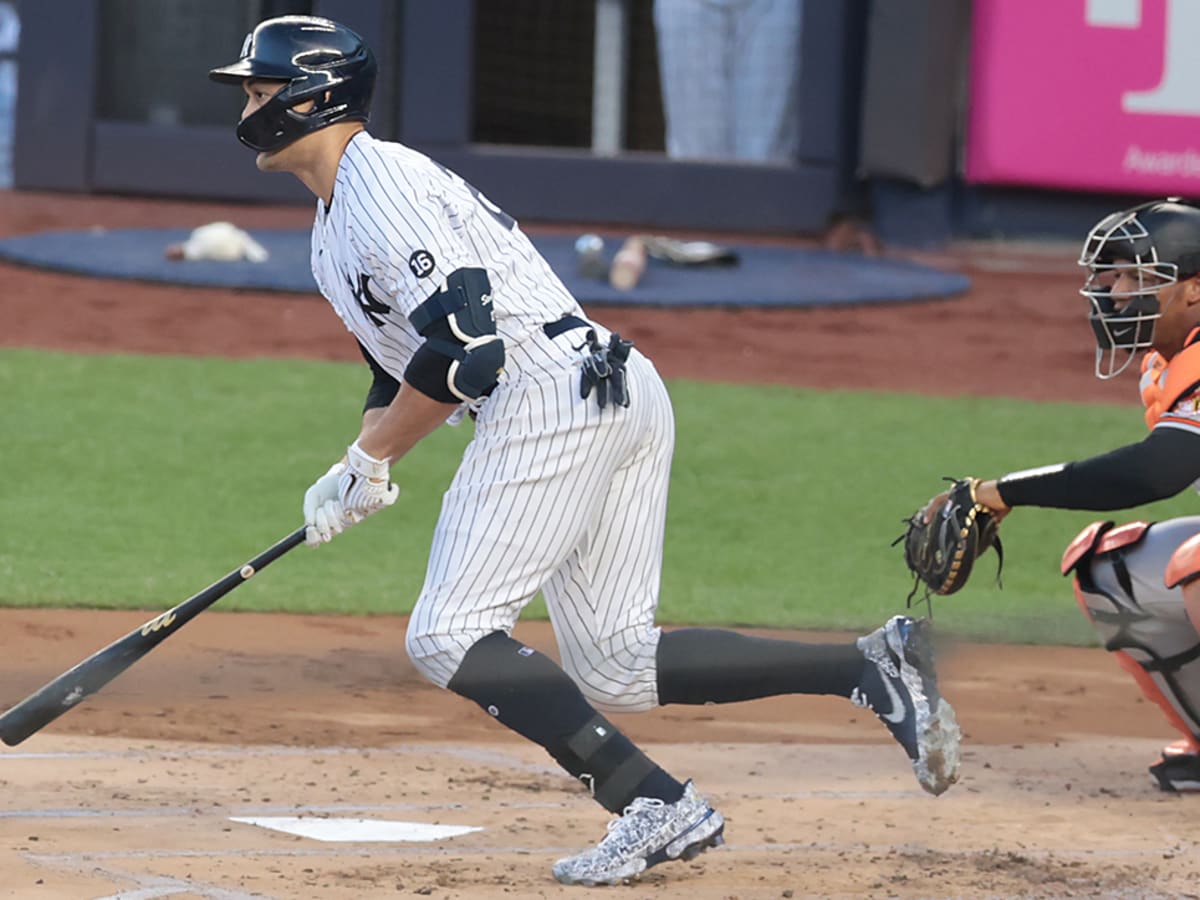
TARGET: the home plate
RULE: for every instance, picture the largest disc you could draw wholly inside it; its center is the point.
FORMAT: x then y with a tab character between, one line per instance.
357	830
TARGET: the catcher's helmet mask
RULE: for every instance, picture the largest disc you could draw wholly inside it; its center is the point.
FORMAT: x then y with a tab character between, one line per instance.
317	60
1156	244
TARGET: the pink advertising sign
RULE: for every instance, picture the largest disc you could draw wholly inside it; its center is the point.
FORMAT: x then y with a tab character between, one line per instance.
1086	94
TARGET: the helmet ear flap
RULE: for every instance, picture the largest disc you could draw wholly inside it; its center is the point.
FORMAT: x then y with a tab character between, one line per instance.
1189	265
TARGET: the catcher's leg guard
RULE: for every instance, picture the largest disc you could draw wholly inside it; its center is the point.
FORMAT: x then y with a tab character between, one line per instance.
1120	585
1183	571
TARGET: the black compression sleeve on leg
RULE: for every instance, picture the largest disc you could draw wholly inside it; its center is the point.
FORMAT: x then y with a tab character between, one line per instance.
527	692
707	665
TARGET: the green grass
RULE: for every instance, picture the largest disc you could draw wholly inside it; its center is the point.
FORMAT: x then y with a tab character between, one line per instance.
136	481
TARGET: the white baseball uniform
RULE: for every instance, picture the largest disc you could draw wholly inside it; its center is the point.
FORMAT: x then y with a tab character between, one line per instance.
553	493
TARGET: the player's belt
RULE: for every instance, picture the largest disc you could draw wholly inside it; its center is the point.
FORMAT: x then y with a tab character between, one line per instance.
565	324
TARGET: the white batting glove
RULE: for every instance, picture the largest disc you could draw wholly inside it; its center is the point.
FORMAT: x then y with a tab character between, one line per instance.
364	487
323	512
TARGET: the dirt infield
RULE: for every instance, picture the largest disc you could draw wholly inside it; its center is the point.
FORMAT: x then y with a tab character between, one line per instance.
142	792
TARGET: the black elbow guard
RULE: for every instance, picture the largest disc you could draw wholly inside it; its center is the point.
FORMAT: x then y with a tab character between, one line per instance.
452	372
458	323
477	372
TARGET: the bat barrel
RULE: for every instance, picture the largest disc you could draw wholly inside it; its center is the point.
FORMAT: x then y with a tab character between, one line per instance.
67	690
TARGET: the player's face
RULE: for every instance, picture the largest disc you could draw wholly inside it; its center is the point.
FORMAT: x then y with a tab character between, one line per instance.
257	94
1126	303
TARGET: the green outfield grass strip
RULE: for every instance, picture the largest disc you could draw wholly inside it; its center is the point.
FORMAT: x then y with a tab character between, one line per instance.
133	482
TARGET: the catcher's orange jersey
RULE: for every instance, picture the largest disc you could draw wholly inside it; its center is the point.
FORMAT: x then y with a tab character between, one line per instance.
1171	390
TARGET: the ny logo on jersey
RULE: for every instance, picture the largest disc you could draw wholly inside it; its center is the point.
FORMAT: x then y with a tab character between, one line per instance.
366	301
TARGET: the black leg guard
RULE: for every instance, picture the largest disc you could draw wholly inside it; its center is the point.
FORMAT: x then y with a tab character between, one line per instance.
528	693
706	665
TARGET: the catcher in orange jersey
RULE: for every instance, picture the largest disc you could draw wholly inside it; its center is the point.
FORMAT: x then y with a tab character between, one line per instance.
1139	583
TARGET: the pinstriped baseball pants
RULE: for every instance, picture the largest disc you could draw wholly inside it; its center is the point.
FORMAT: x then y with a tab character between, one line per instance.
730	73
556	495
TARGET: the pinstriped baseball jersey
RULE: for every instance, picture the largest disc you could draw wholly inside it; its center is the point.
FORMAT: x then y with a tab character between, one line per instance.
398	225
553	493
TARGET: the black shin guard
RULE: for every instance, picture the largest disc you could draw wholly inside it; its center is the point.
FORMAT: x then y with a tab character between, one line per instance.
706	665
528	693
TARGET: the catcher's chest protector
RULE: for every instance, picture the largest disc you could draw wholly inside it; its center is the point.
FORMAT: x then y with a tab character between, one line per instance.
1163	386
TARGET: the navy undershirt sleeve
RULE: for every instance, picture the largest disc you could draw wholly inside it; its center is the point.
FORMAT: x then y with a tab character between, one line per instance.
383	388
1160	466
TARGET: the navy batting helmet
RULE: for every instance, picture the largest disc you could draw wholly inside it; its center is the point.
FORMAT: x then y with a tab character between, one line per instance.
319	60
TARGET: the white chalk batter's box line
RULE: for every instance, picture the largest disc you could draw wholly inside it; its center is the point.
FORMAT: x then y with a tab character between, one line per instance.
1081	853
191	812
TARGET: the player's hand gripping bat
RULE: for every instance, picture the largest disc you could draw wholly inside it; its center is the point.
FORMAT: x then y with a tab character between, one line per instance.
67	690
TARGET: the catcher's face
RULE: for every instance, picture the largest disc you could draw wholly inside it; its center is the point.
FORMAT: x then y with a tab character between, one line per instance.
1126	303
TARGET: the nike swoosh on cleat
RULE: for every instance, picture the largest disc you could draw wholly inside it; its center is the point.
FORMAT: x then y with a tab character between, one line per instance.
897	713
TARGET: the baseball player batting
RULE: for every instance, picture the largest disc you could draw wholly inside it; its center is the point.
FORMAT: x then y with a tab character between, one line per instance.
1139	583
563	488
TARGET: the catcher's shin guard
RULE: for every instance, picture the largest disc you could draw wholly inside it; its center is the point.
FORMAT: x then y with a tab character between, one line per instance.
1120	587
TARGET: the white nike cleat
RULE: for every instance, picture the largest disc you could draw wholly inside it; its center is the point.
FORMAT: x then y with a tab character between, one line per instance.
899	685
649	832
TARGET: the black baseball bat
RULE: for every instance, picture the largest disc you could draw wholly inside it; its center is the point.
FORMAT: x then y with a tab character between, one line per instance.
41	708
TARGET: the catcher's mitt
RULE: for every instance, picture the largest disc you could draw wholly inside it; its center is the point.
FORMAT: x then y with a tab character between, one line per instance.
942	552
